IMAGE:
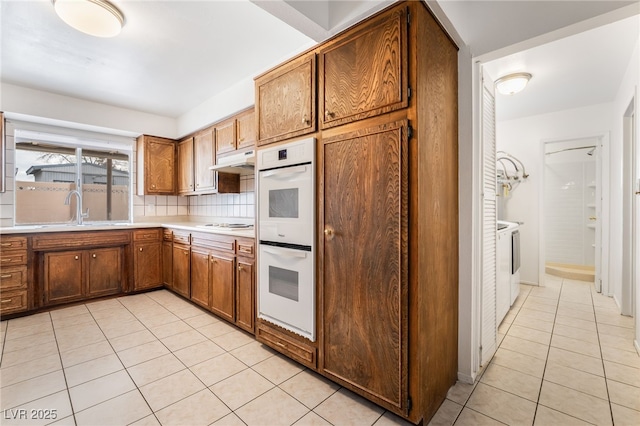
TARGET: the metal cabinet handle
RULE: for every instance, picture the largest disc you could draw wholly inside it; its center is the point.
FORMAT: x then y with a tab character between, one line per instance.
6	260
5	276
153	186
6	244
140	249
240	268
5	300
94	255
76	257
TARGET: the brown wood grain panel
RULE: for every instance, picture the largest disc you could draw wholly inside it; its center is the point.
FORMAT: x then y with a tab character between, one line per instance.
104	271
181	270
246	129
185	166
285	101
286	344
147	235
13	302
65	240
147	265
364	283
204	157
167	264
245	294
12	243
13	278
435	177
222	285
13	258
159	165
364	72
225	136
63	276
200	277
215	241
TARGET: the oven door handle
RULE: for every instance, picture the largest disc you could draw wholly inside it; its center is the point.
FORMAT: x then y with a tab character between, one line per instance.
285	253
287	171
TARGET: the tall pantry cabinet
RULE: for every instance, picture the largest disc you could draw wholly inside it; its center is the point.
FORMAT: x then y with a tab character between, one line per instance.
387	219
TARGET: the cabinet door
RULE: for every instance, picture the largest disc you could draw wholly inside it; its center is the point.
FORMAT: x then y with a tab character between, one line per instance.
167	264
63	277
181	274
222	284
245	294
246	130
204	158
286	100
365	290
185	165
200	276
147	265
104	271
225	136
160	166
364	72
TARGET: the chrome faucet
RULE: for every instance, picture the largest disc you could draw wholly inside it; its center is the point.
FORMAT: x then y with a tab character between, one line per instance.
79	215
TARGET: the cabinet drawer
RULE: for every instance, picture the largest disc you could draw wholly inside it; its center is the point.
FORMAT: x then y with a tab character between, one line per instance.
13	301
15	277
296	350
147	235
167	235
67	240
218	242
13	243
245	248
12	258
181	237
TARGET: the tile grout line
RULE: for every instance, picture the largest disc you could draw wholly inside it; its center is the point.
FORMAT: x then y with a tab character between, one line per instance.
604	370
64	374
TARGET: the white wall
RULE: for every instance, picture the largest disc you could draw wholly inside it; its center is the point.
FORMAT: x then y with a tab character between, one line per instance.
628	88
78	113
228	102
523	138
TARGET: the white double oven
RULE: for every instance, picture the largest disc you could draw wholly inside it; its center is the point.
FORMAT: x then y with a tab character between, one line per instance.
286	233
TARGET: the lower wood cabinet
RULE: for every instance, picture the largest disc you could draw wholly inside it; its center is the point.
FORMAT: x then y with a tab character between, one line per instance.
167	264
222	285
245	293
13	275
80	274
200	277
181	269
147	259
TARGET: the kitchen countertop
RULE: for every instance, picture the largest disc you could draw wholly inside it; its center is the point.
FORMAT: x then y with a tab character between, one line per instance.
188	226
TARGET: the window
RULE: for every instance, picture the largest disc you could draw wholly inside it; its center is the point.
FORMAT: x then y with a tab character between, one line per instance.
48	172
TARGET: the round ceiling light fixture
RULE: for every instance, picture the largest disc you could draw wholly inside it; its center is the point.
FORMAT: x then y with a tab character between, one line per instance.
512	83
98	18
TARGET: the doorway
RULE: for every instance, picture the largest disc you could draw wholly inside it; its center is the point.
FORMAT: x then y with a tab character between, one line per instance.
571	207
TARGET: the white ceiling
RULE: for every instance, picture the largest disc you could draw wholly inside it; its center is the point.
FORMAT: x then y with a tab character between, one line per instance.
173	55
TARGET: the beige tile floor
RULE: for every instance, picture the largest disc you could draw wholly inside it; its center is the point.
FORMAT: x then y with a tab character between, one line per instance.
153	359
566	357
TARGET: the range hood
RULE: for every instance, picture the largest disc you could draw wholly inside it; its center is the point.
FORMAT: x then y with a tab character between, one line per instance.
239	164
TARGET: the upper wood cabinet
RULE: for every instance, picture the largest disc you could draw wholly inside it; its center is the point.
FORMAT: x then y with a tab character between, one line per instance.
225	136
246	129
364	72
204	157
185	165
286	100
236	133
156	166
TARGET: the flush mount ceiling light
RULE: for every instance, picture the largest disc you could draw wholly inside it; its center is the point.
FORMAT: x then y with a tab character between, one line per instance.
512	83
98	18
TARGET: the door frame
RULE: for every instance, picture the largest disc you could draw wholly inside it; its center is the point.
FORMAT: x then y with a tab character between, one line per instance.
602	181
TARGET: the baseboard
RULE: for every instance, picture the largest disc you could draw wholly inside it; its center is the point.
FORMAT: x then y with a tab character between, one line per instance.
529	283
466	378
636	343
